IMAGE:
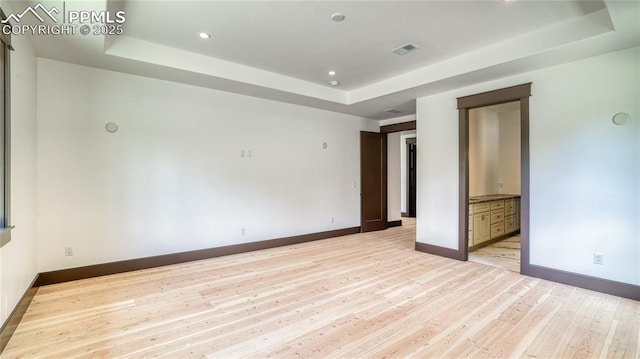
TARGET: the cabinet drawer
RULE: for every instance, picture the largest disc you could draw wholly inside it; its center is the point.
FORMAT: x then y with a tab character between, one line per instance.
497	230
497	204
481	207
497	217
510	206
509	223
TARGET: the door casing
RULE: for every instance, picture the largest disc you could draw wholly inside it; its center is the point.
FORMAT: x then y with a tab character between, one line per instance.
519	93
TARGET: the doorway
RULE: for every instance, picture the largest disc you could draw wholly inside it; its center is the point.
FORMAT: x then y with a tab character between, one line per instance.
373	176
518	94
494	185
411	173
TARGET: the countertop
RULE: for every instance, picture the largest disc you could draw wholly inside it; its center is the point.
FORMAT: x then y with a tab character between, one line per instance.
491	197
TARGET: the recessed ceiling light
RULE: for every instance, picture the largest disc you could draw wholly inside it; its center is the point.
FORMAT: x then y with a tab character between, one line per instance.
334	83
332	73
204	35
337	17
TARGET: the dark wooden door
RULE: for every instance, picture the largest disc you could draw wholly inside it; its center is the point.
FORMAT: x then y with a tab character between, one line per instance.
411	179
373	177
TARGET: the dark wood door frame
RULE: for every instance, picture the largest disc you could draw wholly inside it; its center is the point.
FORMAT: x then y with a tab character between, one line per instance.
398	127
516	93
384	130
519	93
411	177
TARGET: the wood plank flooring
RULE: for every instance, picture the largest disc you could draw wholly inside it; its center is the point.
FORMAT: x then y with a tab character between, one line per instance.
359	296
504	254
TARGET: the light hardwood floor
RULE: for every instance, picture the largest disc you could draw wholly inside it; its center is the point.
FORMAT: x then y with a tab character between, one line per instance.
358	296
504	254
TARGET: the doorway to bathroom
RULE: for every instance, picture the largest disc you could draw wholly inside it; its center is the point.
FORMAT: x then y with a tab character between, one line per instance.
494	185
502	207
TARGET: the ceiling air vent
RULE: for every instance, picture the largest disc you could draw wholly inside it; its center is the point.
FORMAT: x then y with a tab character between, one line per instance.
393	111
405	49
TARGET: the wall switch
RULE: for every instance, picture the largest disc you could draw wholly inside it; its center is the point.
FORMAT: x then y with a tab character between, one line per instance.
598	258
242	231
331	220
242	153
249	153
68	251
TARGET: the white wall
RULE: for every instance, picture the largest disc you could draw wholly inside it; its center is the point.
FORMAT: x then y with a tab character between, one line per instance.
18	258
494	152
585	171
484	152
509	155
172	178
401	119
393	177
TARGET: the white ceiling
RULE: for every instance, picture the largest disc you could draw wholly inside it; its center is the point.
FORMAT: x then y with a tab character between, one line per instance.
284	50
299	39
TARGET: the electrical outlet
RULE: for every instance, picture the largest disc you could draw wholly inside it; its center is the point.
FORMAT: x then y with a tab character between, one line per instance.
242	153
68	251
242	231
598	258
